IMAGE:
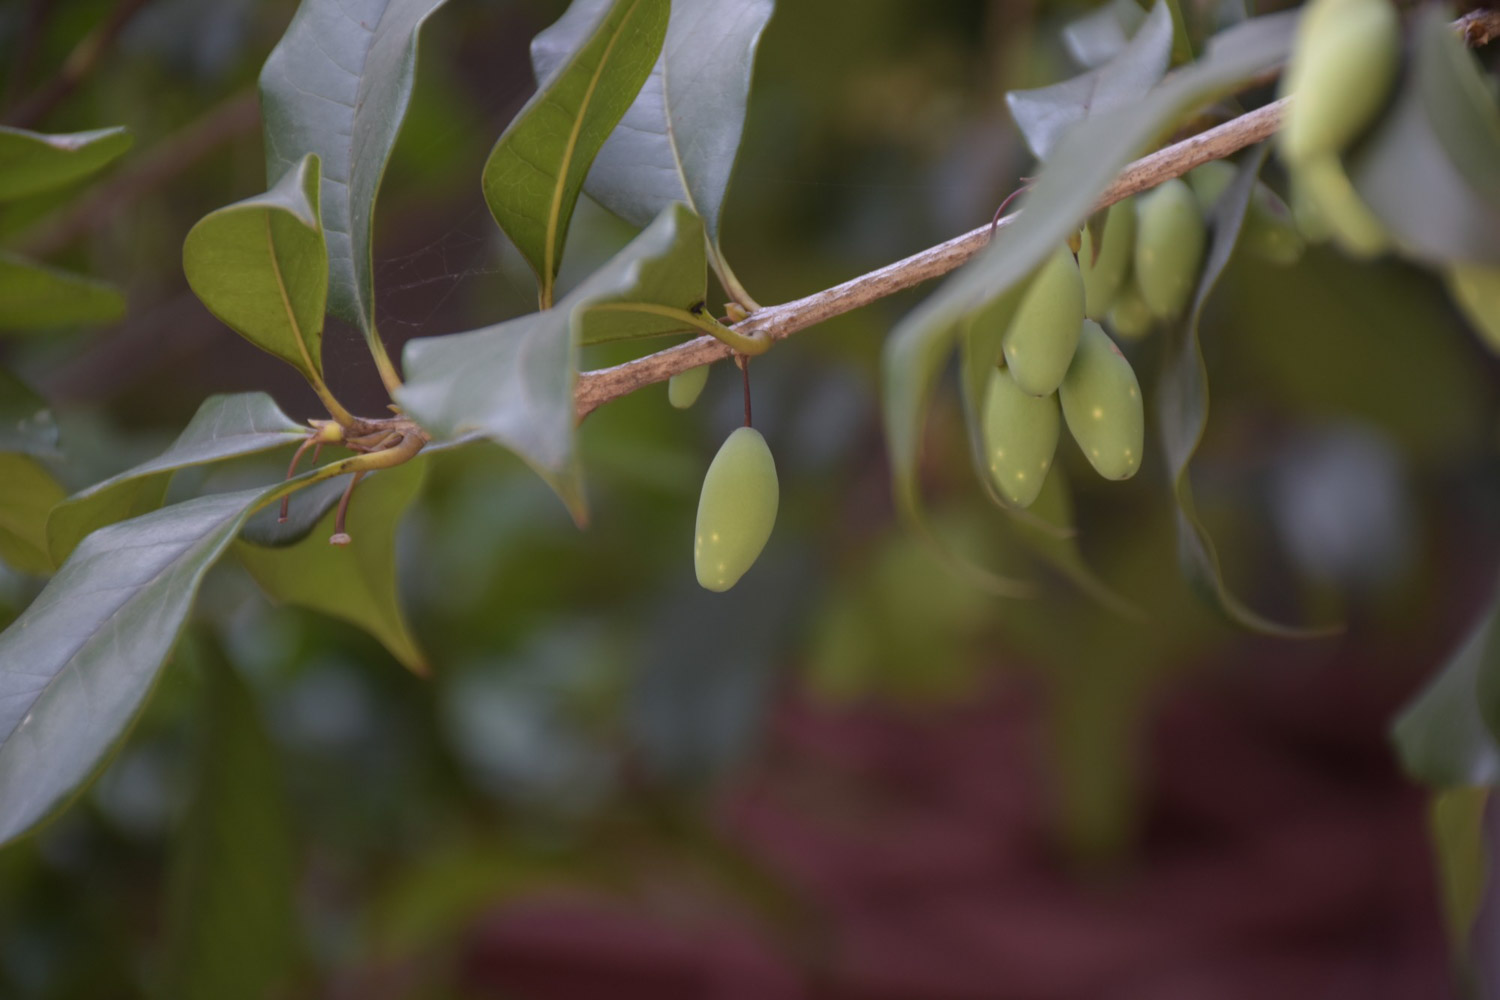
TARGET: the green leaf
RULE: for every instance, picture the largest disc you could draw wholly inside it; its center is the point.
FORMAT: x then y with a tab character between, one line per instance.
1182	393
31	162
27	493
231	926
338	84
36	297
355	582
26	422
1097	37
77	665
535	172
1046	113
513	382
1455	822
261	266
1409	175
678	141
224	427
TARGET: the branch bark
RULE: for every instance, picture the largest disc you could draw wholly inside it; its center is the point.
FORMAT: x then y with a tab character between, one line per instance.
595	388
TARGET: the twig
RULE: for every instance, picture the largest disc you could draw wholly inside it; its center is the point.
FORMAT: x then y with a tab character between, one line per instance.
224	122
596	388
76	68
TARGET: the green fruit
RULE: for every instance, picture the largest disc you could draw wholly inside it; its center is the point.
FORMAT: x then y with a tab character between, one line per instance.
1131	318
684	388
1101	401
1020	438
1209	181
736	510
1168	248
1350	222
1270	232
1476	289
1343	63
1044	331
1102	277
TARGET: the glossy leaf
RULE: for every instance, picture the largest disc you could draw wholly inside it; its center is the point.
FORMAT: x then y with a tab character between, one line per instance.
26	423
678	141
513	382
1182	408
536	171
675	277
1407	174
261	266
224	427
32	162
338	85
1441	737
77	665
354	582
1098	36
231	927
37	297
1045	114
27	493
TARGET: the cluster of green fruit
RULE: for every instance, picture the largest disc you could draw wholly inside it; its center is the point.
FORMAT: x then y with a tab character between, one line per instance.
1345	63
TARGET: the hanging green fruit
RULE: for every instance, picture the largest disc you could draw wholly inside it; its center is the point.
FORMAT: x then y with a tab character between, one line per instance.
736	510
1020	438
1101	401
1043	333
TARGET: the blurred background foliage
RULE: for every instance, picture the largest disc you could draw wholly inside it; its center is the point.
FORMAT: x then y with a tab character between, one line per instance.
597	730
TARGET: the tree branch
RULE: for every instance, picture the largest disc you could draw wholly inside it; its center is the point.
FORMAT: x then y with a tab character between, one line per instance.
595	388
76	68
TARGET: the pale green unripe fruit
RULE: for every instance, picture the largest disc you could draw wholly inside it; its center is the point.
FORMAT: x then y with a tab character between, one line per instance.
1343	63
1103	277
1131	318
1270	233
1044	331
684	388
1476	289
1169	240
1350	222
1101	401
736	510
1020	438
1209	181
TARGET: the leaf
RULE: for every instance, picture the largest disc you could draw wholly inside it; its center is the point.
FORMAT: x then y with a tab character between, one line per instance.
513	382
27	493
1182	406
77	665
1440	735
355	582
1045	114
231	923
35	296
678	141
535	172
1455	822
1405	171
26	422
338	84
261	266
31	162
224	427
266	529
1097	37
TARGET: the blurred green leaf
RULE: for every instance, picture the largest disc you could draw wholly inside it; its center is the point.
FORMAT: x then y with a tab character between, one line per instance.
35	297
678	141
27	493
231	926
1410	177
338	84
1441	736
261	266
1096	37
1182	407
77	665
513	382
534	174
354	582
31	162
26	422
224	427
1455	822
1045	114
